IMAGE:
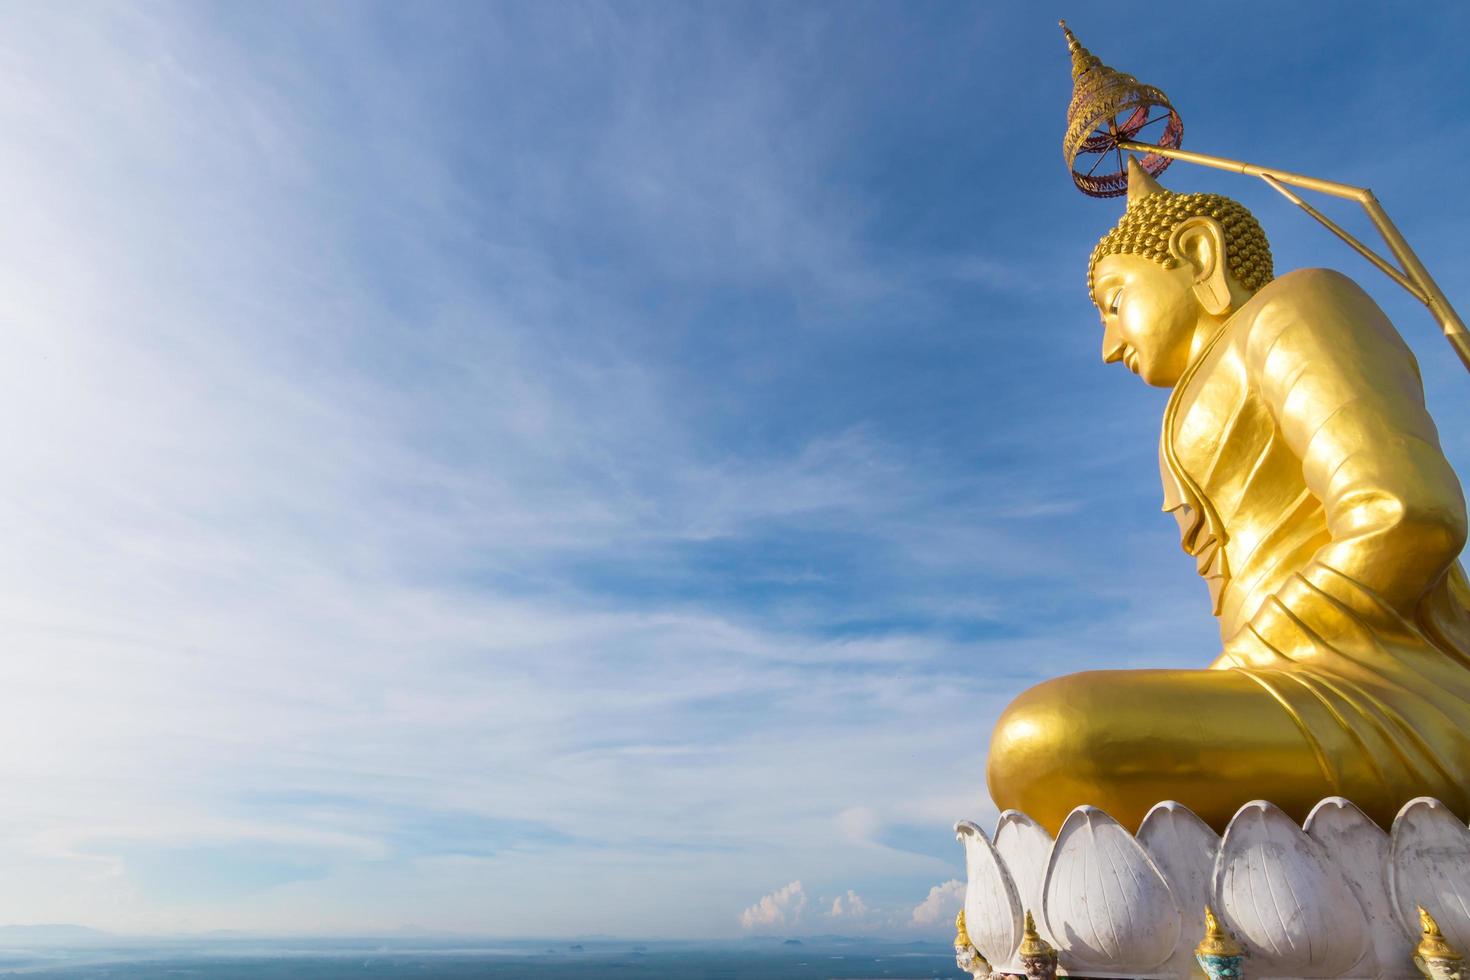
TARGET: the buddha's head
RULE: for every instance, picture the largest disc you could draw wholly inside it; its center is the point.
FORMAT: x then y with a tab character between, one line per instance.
1170	272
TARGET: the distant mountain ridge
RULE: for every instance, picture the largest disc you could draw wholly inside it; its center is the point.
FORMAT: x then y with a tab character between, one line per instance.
51	932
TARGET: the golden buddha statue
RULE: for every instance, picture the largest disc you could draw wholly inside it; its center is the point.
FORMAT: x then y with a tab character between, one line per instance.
1309	485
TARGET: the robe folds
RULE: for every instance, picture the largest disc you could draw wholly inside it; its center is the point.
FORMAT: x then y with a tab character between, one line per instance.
1309	485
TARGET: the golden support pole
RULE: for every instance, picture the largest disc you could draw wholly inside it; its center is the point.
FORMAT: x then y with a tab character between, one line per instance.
1410	274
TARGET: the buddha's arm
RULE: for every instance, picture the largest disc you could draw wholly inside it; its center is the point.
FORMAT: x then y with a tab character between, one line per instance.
1347	398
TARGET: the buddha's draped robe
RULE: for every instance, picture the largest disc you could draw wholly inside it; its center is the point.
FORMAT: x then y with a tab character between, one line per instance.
1309	484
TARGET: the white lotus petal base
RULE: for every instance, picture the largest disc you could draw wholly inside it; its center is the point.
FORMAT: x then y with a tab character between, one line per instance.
1335	897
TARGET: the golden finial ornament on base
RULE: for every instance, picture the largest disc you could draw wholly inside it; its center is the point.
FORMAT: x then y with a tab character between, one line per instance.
1218	954
1434	957
961	934
966	956
1038	957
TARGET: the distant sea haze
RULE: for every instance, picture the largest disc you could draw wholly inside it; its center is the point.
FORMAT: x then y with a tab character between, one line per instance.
77	953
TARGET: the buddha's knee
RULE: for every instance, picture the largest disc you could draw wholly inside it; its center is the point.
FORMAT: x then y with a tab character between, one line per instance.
1061	744
1123	740
1046	733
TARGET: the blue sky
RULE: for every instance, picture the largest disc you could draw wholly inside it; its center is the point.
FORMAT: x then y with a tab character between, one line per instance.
552	468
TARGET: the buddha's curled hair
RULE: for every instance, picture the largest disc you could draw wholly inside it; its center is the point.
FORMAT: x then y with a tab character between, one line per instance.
1146	226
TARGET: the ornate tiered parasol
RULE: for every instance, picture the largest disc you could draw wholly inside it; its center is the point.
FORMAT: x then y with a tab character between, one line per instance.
1109	108
1113	114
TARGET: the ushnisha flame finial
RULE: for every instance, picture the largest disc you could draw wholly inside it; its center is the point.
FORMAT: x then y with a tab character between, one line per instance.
1140	184
1432	943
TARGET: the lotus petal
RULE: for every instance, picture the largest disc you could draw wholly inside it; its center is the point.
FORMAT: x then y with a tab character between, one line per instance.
993	914
1105	900
1360	850
1024	846
1282	896
1430	856
1183	848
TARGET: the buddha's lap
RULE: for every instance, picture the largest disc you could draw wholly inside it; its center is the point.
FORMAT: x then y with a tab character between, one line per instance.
1123	740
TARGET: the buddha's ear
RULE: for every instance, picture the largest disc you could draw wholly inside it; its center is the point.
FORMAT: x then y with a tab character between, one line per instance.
1199	242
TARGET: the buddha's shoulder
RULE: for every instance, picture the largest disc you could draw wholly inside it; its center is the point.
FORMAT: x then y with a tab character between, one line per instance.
1312	303
1307	290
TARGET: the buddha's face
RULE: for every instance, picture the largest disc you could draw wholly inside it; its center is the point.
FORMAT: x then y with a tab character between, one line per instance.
1149	315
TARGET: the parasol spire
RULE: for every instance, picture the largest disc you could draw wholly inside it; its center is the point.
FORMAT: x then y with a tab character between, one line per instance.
1082	59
